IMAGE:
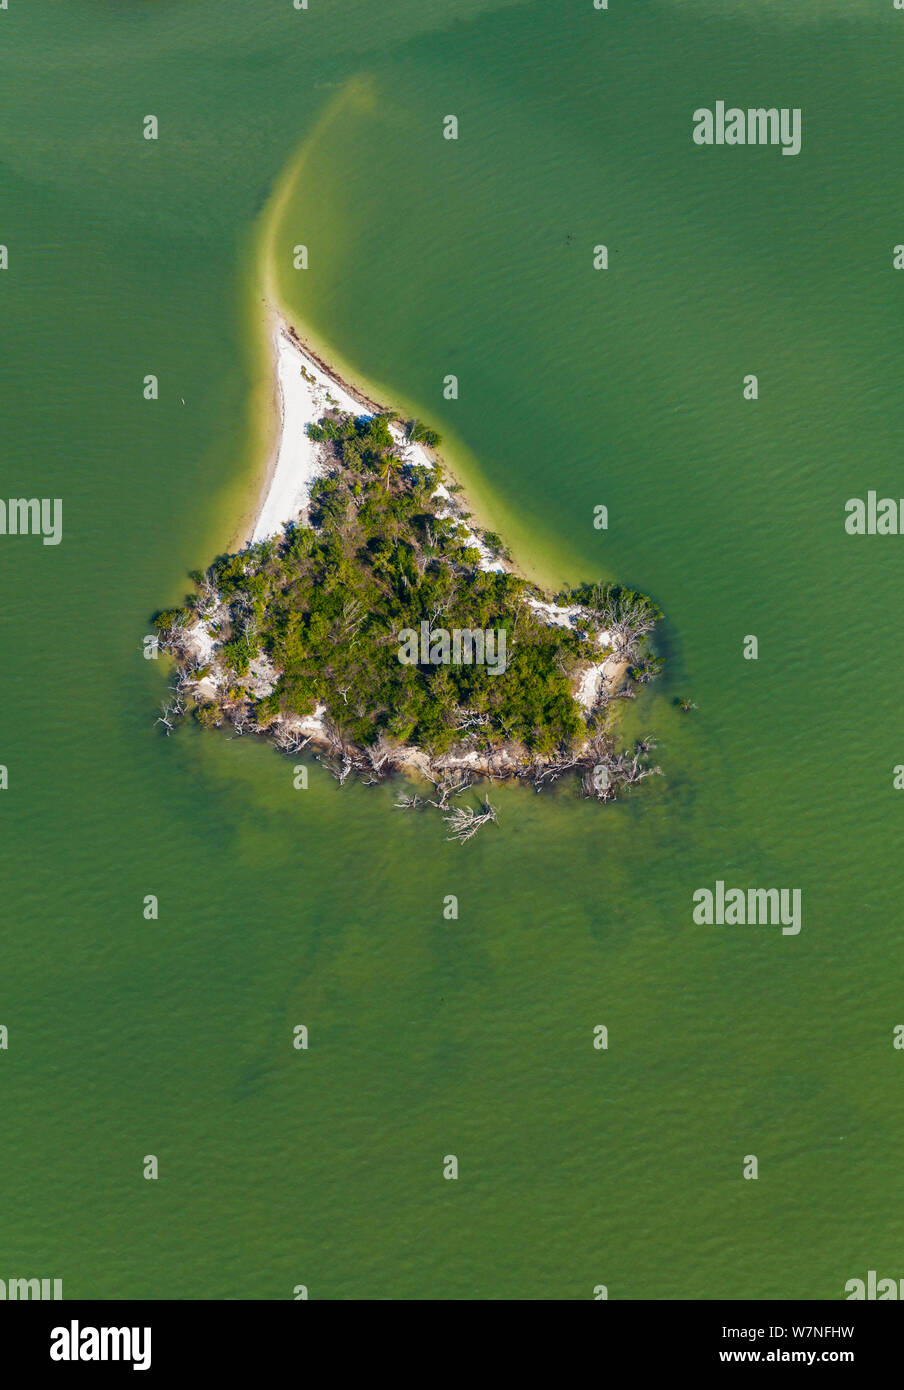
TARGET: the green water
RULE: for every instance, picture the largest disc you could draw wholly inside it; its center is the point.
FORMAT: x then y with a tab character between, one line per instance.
173	1037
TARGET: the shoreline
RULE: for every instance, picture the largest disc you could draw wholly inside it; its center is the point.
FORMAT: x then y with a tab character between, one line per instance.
348	387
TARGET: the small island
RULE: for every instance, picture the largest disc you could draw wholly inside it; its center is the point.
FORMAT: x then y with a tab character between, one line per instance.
368	620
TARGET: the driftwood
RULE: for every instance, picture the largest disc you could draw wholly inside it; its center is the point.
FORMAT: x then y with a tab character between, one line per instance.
452	784
627	618
339	770
615	770
371	764
380	757
602	770
465	821
164	718
288	740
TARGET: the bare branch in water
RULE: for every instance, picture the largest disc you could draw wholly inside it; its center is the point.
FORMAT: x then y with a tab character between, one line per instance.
164	718
288	741
465	821
452	784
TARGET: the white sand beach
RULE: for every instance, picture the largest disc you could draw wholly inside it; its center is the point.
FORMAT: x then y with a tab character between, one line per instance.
305	391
